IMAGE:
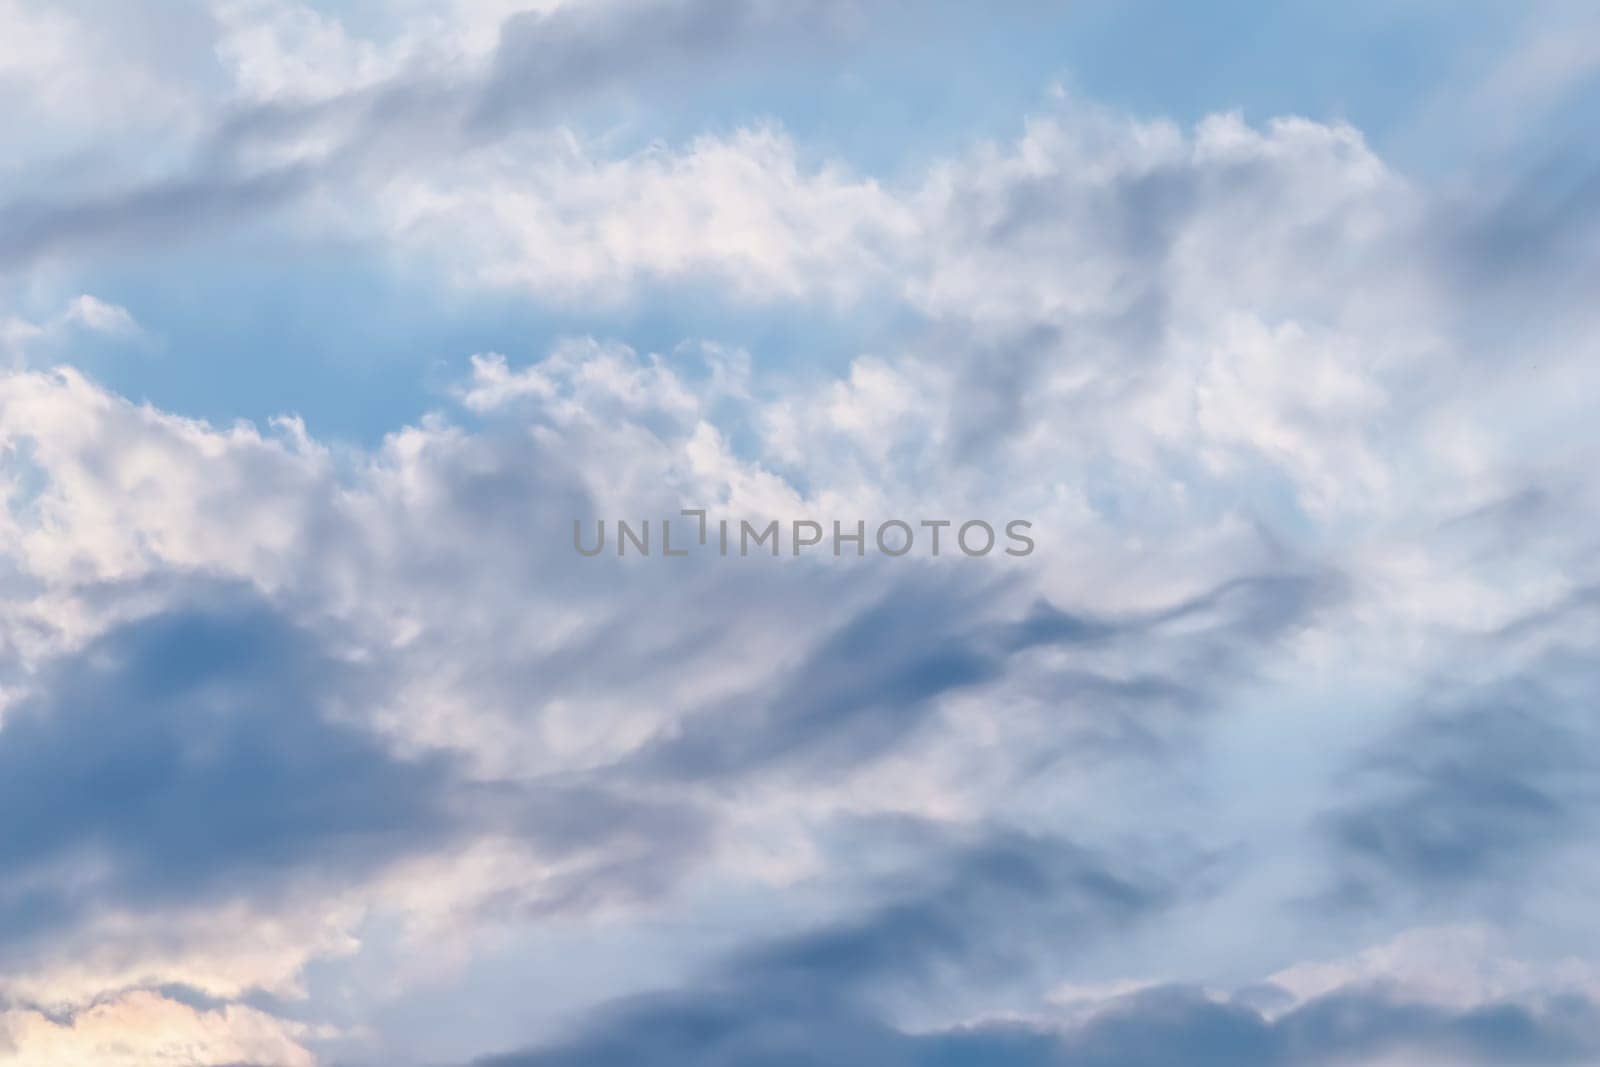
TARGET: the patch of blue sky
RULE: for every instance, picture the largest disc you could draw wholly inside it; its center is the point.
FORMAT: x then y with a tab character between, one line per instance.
262	323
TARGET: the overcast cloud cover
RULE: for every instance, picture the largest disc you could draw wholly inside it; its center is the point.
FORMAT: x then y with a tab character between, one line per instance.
321	322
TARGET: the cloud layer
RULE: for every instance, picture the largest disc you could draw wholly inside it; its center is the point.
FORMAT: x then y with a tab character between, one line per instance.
319	747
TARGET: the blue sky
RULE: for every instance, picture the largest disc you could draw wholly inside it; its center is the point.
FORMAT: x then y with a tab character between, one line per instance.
321	325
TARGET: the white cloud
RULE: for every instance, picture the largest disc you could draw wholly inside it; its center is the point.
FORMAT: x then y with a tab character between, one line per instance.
67	72
283	50
138	1029
1453	966
1189	356
25	341
97	315
744	213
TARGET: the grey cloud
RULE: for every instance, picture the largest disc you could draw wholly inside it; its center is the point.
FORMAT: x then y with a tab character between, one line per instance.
877	676
997	906
753	1013
1179	1027
1466	795
1175	1027
862	689
216	750
1523	248
198	751
168	209
1485	785
546	57
969	922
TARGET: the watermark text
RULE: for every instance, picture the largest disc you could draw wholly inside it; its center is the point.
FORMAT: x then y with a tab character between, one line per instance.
694	532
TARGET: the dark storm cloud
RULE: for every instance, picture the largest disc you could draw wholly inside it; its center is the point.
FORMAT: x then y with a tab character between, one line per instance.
198	751
999	903
1468	794
991	909
877	677
1180	1027
814	998
1173	1027
861	690
1491	775
215	751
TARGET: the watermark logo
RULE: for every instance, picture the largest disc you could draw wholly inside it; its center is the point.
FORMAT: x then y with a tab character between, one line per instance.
696	533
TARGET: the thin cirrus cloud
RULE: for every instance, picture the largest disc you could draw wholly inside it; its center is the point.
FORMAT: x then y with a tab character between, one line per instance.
321	751
260	154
